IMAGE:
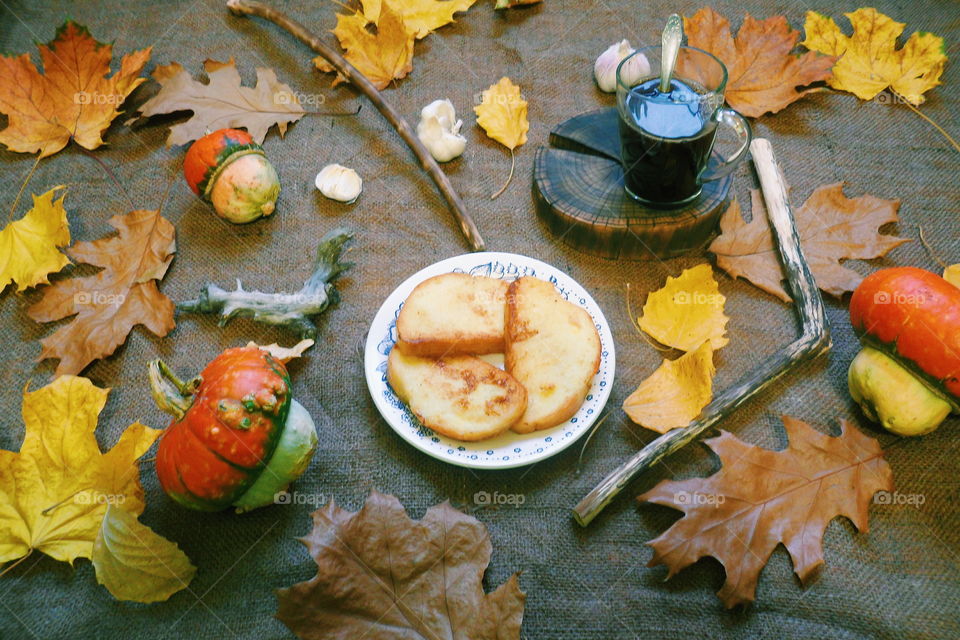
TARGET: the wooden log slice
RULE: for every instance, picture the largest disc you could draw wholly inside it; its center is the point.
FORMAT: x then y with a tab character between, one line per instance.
578	187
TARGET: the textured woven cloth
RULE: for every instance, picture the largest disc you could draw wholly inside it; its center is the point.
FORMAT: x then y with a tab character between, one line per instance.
899	580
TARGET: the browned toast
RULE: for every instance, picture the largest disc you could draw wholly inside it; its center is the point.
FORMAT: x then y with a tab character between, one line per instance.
552	349
453	313
461	397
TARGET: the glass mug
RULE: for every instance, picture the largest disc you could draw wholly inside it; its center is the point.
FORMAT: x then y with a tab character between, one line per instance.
666	139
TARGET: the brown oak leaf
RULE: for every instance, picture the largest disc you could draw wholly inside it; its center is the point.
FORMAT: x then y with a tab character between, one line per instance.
762	498
382	575
832	227
222	102
73	98
763	72
108	304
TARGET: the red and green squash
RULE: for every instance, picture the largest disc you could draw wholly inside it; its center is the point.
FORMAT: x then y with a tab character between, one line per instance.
231	171
907	377
238	438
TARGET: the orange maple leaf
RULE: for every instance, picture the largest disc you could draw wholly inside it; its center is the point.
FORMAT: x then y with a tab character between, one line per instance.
73	98
110	303
763	72
761	498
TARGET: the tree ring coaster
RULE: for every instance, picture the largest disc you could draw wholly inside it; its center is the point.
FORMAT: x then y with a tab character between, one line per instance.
578	187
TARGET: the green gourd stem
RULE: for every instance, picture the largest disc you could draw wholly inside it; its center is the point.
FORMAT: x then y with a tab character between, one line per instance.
171	394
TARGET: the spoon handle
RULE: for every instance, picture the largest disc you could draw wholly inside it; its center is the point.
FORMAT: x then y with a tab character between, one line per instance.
670	47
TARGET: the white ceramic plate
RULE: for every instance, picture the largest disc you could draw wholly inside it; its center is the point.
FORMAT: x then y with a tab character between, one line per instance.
508	449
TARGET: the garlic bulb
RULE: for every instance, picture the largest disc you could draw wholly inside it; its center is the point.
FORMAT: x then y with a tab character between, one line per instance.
605	68
439	131
339	183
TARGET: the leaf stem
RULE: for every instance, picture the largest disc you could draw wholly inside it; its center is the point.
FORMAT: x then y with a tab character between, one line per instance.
513	162
583	449
942	131
634	322
112	175
13	209
930	251
57	504
10	567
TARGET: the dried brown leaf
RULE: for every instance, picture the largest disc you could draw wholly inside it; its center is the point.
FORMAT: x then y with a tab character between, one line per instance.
763	71
832	228
762	498
222	102
110	303
382	575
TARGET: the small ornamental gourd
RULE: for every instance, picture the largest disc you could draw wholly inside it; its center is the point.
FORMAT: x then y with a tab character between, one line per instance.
237	438
229	170
907	376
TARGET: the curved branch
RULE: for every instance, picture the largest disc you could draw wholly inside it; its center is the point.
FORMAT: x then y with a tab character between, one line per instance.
355	77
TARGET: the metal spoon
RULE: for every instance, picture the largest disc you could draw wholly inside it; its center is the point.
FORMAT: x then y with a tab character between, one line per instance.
670	47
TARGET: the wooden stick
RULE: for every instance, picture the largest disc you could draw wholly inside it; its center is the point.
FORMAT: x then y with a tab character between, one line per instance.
348	71
813	341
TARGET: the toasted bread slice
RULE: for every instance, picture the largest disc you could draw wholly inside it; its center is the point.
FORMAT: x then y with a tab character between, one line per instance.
462	397
451	314
553	350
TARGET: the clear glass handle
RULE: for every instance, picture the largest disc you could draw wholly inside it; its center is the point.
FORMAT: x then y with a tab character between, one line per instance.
742	128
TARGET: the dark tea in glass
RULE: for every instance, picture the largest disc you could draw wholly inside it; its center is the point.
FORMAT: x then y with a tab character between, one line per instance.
666	137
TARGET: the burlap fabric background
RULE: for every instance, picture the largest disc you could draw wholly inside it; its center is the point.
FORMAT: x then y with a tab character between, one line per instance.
900	580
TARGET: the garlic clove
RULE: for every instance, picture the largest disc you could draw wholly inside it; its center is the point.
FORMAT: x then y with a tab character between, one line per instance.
634	70
605	68
439	131
339	183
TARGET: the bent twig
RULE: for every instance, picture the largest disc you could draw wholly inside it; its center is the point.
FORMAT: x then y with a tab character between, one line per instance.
813	341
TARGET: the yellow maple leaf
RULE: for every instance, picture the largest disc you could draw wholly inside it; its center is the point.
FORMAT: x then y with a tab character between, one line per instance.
54	492
675	393
422	16
952	274
869	61
502	113
687	311
28	246
382	57
73	98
